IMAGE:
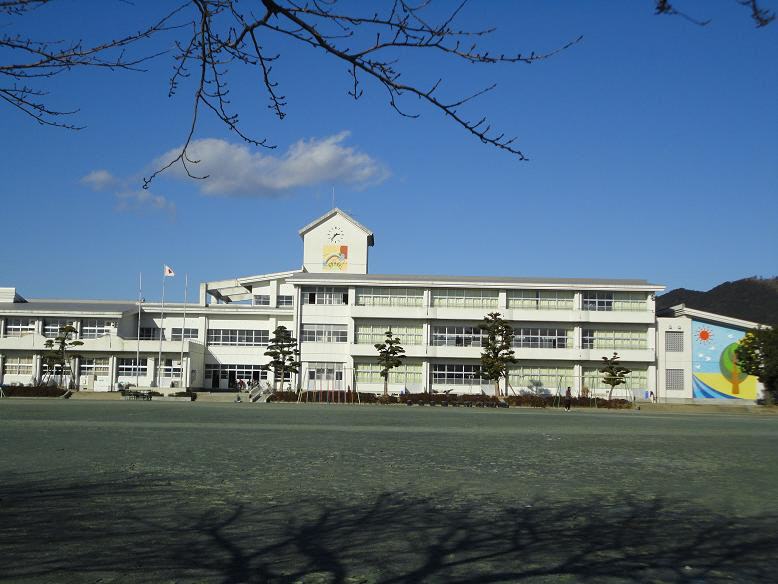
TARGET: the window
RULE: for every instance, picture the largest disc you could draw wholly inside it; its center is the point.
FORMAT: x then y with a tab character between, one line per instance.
261	300
94	328
149	333
465	298
94	366
628	301
674	379
636	380
457	336
325	295
285	301
372	333
454	374
541	299
614	339
171	368
325	333
597	301
238	337
322	376
129	367
52	326
189	334
53	369
674	341
406	373
542	338
17	365
390	297
541	377
16	327
232	371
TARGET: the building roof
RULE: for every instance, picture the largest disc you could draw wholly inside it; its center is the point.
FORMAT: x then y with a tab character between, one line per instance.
681	310
398	279
332	213
112	308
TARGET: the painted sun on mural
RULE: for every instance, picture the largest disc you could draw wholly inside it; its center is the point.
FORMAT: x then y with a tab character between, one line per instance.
716	372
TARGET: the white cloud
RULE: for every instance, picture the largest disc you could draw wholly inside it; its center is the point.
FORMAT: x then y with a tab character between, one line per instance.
99	180
234	169
141	200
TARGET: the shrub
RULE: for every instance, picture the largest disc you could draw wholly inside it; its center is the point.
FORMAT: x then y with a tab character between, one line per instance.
37	391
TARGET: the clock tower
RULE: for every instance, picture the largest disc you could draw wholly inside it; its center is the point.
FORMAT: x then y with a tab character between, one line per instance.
336	242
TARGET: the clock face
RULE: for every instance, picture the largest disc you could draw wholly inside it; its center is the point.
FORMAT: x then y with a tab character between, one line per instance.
335	234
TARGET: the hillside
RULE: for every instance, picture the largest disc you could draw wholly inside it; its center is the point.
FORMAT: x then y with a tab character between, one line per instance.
754	299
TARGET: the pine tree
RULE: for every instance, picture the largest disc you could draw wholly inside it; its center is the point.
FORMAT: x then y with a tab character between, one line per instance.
614	374
284	355
497	354
757	354
390	355
59	350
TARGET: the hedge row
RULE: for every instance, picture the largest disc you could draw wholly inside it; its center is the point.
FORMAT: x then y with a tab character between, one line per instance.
39	391
534	401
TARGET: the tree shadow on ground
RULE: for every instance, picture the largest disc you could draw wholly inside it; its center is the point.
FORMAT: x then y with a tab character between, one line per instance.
143	530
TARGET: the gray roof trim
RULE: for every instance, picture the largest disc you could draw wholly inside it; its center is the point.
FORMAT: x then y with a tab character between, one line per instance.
56	307
681	310
397	279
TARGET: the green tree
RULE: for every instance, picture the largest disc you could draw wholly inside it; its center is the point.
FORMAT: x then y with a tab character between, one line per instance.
757	354
497	354
59	351
284	355
614	374
390	355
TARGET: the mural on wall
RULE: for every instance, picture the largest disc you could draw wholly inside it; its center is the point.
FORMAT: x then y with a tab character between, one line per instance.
715	372
334	258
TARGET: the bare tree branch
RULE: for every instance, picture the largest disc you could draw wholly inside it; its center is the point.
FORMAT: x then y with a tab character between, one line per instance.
211	36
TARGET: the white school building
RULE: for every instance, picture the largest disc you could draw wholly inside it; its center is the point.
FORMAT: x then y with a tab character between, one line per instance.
337	310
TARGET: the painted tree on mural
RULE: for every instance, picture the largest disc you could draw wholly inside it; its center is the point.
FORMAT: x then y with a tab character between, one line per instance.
730	368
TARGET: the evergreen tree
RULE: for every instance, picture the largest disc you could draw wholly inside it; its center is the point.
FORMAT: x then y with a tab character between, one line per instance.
59	351
390	355
757	354
497	354
614	374
284	355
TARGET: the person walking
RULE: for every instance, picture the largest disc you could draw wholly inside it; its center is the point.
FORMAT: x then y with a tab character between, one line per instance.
568	399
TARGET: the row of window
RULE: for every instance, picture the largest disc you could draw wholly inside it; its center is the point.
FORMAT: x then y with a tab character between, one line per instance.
473	336
478	298
90	328
281	300
238	337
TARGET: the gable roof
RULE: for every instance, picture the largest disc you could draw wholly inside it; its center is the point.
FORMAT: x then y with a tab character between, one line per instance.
335	211
682	310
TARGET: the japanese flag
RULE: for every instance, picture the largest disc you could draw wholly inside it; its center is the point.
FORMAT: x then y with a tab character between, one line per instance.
169	271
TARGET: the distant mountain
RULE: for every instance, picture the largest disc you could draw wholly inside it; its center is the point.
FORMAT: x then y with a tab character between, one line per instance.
754	299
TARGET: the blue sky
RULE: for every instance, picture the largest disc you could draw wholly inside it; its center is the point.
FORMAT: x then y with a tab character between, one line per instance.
653	147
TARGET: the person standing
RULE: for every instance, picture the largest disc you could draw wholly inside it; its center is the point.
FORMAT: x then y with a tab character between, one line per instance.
568	399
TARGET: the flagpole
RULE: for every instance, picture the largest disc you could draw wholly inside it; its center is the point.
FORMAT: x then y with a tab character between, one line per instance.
183	332
161	331
137	350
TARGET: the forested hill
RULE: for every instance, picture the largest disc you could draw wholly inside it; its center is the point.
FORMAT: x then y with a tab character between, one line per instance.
754	299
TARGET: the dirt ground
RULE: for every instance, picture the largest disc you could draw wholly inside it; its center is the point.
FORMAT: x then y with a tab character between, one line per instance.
216	492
